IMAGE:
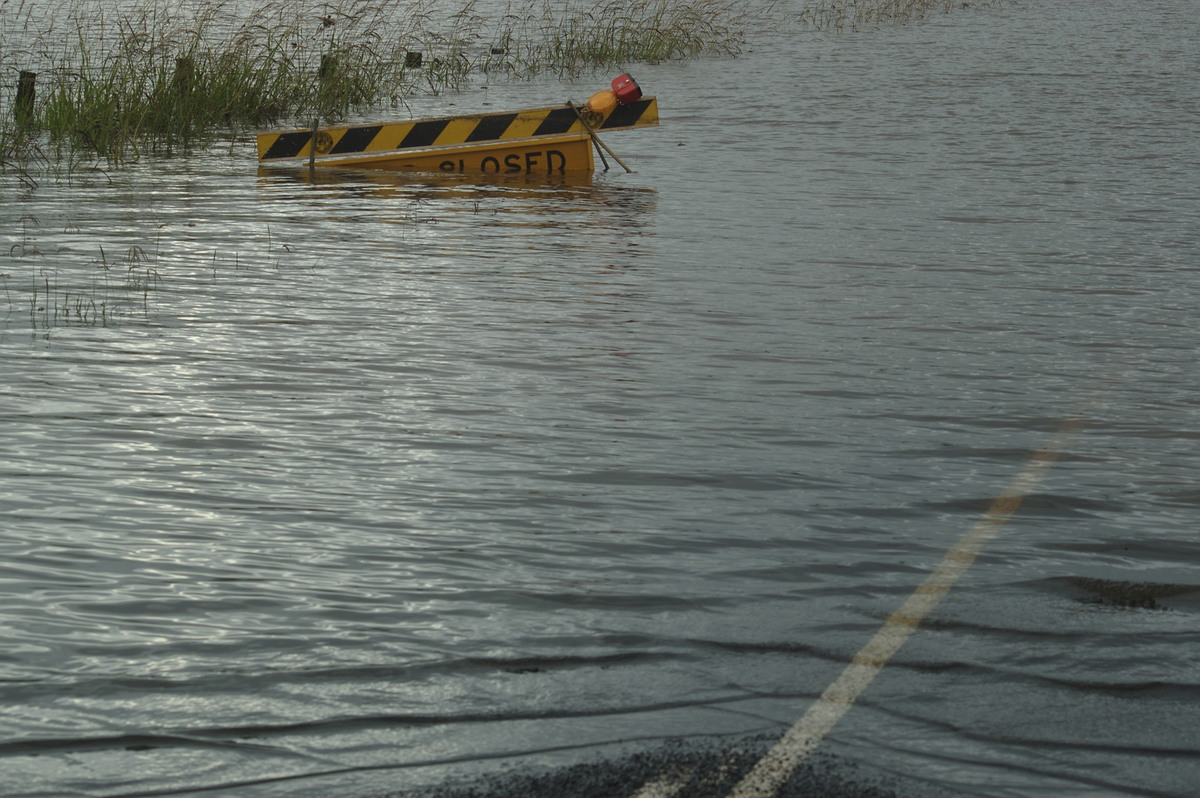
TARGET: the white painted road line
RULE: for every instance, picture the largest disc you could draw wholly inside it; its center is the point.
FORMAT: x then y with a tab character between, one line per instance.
806	734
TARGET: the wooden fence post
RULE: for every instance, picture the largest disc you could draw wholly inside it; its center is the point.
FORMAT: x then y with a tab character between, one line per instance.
26	92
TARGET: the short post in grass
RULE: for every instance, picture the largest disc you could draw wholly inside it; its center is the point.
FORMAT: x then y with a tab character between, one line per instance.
26	93
327	72
184	77
183	84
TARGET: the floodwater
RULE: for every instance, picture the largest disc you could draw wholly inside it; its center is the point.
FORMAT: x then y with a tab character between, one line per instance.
374	485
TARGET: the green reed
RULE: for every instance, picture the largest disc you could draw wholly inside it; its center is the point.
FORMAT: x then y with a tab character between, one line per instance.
573	38
161	82
166	90
843	14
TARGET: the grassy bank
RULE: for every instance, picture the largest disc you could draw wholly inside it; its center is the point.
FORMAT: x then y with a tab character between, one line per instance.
116	84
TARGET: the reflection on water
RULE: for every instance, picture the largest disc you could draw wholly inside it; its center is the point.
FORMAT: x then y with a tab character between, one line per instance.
551	185
392	476
481	212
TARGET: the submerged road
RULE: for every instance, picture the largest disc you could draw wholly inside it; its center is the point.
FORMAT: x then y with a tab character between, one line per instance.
793	463
791	768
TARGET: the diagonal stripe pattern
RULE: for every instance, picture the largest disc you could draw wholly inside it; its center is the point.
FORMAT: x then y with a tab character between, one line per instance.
449	131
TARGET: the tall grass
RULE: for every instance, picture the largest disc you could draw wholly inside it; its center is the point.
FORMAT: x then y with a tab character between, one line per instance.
160	82
843	14
158	79
570	38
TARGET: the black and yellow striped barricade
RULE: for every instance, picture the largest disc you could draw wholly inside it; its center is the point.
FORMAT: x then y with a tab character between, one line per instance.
549	141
